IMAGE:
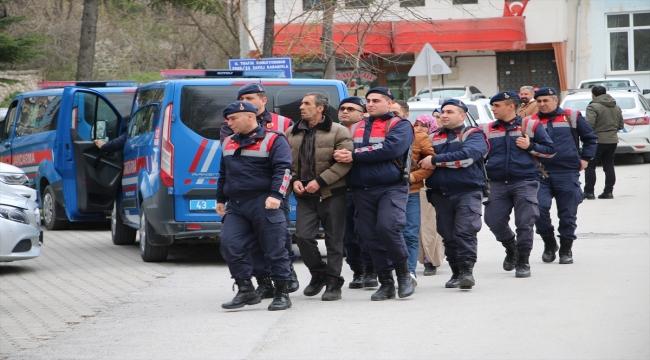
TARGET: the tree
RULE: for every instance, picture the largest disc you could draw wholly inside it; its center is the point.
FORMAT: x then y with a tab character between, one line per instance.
17	49
269	28
86	57
329	71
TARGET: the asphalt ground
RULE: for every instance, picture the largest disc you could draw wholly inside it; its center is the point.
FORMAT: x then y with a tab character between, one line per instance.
85	298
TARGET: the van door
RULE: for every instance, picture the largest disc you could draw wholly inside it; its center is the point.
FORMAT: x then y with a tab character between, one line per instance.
95	175
6	133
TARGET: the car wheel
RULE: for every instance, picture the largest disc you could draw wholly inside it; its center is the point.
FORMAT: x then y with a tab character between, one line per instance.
148	252
646	157
53	216
121	234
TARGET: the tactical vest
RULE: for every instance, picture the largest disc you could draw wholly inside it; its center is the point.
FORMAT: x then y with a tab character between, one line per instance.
377	133
278	123
260	148
568	119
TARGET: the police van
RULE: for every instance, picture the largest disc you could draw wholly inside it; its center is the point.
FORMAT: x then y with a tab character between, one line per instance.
173	151
49	133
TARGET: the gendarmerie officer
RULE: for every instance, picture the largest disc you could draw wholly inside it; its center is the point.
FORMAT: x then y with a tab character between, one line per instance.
457	189
514	175
255	93
567	128
381	144
254	174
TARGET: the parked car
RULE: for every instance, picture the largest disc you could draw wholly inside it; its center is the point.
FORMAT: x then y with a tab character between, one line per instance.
481	110
417	108
612	83
455	92
14	180
635	136
21	236
173	153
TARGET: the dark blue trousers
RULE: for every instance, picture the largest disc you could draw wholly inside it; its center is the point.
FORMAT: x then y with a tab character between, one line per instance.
565	188
381	216
247	227
506	195
458	220
357	251
256	255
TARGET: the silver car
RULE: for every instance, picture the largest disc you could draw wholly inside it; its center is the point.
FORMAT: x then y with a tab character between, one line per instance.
20	235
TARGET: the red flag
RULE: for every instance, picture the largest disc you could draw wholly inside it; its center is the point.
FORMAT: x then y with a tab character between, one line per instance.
514	8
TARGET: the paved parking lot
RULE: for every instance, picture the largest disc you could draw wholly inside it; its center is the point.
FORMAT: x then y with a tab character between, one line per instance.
87	298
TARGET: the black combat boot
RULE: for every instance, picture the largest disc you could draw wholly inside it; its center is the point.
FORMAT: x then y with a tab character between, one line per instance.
357	280
281	299
405	282
332	289
590	196
465	276
550	247
387	289
429	269
566	256
293	285
511	255
523	266
370	277
265	288
606	195
455	275
246	295
316	284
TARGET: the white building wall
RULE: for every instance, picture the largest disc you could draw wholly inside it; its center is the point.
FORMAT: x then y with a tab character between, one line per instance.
479	71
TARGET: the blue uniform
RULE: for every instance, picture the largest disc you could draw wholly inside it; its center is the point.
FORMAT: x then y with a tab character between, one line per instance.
514	178
357	253
563	169
254	167
456	189
379	194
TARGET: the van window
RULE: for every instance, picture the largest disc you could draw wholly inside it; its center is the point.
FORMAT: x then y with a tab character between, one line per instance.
201	108
38	114
7	126
149	96
143	121
473	110
96	108
122	102
287	100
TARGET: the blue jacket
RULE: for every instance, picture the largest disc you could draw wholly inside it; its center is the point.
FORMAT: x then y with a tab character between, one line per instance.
558	125
254	164
117	144
374	150
457	165
507	161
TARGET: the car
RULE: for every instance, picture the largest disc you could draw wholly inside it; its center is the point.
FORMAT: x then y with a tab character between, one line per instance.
417	108
481	110
172	154
634	138
14	180
613	83
49	134
21	237
456	92
3	113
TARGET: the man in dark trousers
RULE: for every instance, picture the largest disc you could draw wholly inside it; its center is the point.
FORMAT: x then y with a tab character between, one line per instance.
457	189
254	175
567	128
606	118
255	93
512	167
381	144
319	185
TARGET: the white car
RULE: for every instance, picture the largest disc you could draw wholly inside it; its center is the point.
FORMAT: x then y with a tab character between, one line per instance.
3	113
481	110
635	136
612	83
14	180
455	92
21	237
417	108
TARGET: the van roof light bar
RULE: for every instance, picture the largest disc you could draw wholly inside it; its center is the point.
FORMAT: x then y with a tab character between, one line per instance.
200	73
90	84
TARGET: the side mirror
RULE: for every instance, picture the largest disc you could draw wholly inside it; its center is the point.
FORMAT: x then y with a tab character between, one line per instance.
646	91
98	131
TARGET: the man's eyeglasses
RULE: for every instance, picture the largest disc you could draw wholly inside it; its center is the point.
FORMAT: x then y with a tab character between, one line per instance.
349	109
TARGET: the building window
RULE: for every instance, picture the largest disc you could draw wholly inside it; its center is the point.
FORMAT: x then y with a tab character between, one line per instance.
311	4
357	3
629	41
464	2
411	3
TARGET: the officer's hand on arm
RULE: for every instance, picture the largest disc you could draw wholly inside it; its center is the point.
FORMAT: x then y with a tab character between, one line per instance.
221	209
100	143
298	188
343	155
272	203
312	187
523	142
426	163
583	164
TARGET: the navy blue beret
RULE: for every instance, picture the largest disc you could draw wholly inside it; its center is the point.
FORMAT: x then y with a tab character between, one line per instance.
239	106
454	102
252	88
354	100
504	95
545	91
381	90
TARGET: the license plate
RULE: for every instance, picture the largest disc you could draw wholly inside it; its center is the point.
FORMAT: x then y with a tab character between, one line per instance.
203	205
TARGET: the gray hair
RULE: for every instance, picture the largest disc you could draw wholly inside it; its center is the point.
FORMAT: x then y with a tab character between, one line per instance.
529	88
320	99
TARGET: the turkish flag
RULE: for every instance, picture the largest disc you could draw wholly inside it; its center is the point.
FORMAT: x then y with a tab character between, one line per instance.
514	8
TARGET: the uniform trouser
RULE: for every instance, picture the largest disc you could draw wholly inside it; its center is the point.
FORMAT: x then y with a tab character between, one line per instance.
459	220
412	229
248	225
356	250
381	216
311	212
431	248
256	256
605	155
504	196
565	188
